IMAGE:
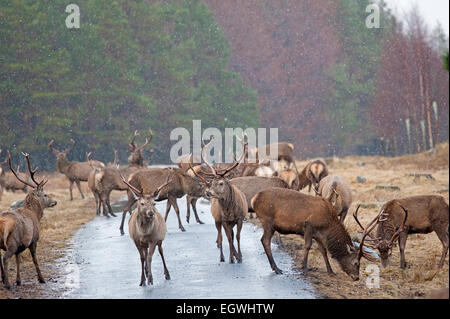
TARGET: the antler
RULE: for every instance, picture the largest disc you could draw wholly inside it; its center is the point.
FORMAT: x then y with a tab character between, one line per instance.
147	141
70	147
132	145
366	233
32	172
133	189
214	173
29	169
236	163
50	146
199	176
115	158
167	181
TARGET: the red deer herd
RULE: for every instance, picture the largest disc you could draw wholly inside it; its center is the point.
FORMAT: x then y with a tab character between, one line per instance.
269	188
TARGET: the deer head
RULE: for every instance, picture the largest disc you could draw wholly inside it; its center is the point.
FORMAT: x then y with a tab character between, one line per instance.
136	152
145	202
384	245
37	189
60	155
219	185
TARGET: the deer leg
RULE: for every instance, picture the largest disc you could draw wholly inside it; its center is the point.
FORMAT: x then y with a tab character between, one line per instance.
229	233
7	255
323	250
188	213
265	240
142	252
168	205
97	203
219	240
71	189
308	243
442	233
177	210
278	240
401	245
130	203
194	208
166	271
238	239
79	188
151	251
108	203
32	249
2	271
18	281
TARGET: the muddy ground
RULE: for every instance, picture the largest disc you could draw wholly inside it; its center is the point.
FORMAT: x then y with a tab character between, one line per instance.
422	251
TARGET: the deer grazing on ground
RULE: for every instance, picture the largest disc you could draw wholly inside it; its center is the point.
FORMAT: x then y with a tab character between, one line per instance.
312	174
76	172
19	229
180	184
228	205
334	189
290	212
147	229
410	215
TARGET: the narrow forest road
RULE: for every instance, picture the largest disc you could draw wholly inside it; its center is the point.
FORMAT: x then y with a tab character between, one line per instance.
104	264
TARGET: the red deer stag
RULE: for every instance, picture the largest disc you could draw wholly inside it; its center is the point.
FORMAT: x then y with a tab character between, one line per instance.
290	212
147	229
20	228
76	172
228	205
410	215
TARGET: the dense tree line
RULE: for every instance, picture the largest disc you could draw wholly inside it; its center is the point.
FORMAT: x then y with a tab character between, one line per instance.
132	64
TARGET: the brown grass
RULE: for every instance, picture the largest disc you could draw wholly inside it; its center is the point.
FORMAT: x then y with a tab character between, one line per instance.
57	227
422	251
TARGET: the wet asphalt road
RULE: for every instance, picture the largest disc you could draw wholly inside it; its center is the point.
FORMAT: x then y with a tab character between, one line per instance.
104	264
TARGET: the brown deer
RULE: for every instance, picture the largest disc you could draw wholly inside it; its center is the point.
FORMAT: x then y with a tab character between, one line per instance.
101	182
148	180
290	212
410	215
312	174
228	205
251	185
147	229
136	158
19	229
334	189
76	172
